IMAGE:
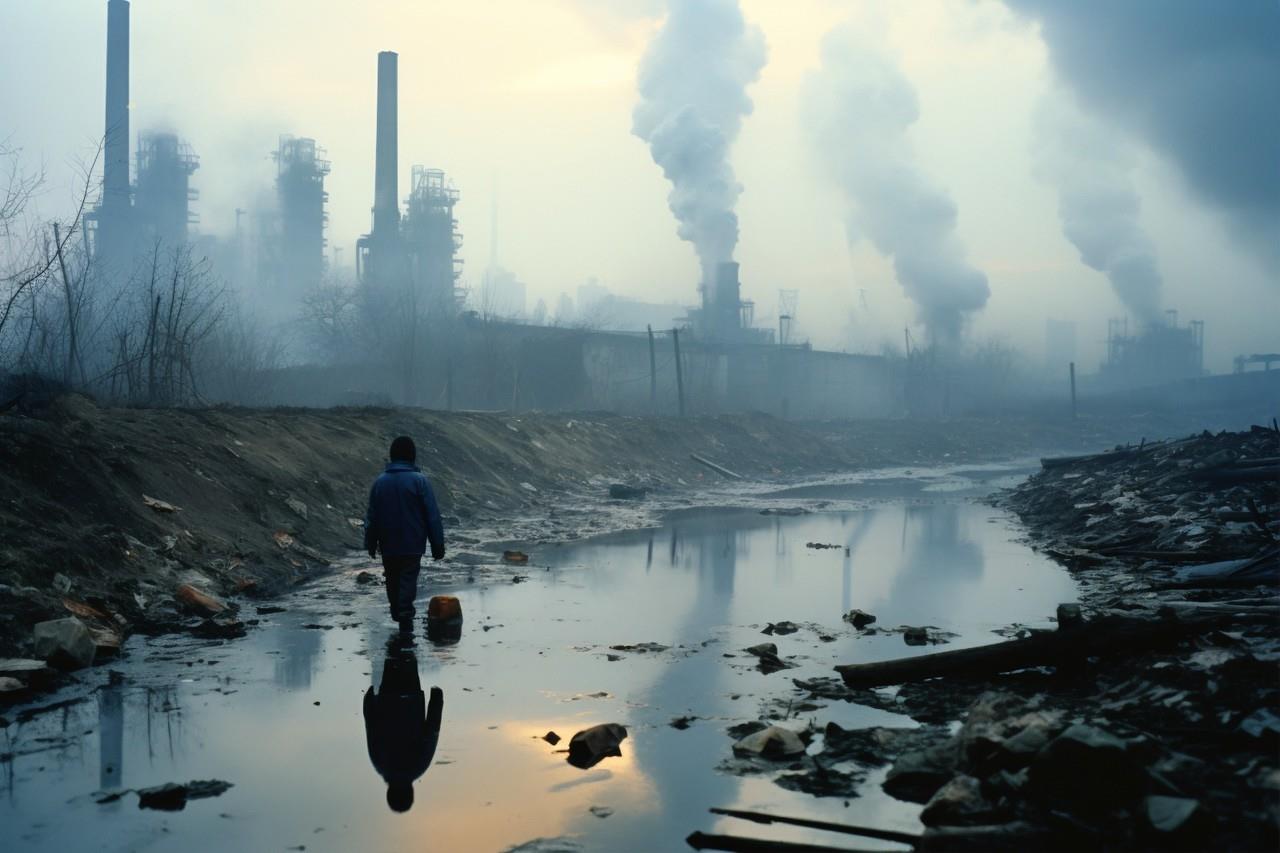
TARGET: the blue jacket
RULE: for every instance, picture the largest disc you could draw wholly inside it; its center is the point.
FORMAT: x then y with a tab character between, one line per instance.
403	515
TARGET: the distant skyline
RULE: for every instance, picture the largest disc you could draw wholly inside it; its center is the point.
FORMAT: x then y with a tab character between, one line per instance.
536	99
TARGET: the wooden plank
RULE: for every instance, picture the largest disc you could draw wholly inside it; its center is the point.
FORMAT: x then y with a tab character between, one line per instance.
1107	636
827	826
719	469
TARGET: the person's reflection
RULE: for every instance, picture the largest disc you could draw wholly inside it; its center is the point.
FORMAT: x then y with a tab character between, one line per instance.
401	733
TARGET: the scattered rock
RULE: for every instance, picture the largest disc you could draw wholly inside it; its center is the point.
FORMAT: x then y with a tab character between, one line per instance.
201	602
600	811
365	577
773	742
283	539
220	628
915	636
297	506
917	775
269	609
821	546
682	723
1176	816
61	583
8	684
767	653
589	747
1088	766
173	797
640	647
959	803
859	618
741	730
160	506
780	628
623	492
551	738
1069	616
64	643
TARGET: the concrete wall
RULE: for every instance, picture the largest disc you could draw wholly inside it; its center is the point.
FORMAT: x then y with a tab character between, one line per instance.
509	366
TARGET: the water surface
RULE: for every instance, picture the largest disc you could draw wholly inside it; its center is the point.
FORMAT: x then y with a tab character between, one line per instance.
279	714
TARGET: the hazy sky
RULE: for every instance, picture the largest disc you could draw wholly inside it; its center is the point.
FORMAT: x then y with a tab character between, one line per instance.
535	98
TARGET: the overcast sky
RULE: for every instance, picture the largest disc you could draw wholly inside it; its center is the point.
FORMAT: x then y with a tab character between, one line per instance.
535	98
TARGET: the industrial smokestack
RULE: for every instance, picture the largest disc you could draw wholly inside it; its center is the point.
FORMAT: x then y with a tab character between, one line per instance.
115	164
386	209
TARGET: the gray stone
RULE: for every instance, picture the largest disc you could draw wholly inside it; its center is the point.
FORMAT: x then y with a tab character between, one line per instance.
859	618
1169	814
590	746
762	649
10	685
1087	766
917	775
623	492
772	742
958	803
64	643
297	506
915	636
1069	616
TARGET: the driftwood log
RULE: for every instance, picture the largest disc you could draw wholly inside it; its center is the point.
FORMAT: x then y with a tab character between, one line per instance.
1110	636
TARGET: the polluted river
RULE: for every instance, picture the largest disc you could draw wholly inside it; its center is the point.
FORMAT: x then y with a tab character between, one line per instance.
644	628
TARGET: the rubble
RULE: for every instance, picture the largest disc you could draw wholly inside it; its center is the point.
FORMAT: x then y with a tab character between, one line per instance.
774	742
64	643
859	619
173	796
767	653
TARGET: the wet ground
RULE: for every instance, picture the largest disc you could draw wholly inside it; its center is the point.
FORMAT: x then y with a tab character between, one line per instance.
279	713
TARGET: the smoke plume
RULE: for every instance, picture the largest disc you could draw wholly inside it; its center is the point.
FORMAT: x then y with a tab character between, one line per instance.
857	109
1097	202
692	84
1199	82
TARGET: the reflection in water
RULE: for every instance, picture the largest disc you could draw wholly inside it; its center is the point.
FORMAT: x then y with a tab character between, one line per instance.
111	734
400	732
297	664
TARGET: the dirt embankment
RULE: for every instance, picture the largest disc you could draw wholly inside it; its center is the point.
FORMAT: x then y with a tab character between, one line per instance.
263	498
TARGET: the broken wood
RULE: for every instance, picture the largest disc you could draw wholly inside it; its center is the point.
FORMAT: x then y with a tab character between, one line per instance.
738	844
719	469
828	826
1108	636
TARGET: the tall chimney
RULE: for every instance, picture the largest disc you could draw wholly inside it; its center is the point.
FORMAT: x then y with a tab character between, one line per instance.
115	163
386	208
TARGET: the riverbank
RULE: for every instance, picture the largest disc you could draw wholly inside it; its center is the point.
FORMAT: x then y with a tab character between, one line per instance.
1146	719
111	512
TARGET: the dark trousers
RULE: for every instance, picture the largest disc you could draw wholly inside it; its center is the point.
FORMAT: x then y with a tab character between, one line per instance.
402	584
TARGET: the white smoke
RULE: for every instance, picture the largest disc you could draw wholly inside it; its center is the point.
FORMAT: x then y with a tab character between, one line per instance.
1092	172
857	109
692	85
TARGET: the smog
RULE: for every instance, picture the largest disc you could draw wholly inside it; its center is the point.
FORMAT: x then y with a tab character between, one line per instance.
863	435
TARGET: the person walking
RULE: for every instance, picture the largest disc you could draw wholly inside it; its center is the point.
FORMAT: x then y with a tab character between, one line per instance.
403	518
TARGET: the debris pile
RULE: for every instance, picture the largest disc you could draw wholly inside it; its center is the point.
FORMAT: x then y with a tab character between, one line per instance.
1159	508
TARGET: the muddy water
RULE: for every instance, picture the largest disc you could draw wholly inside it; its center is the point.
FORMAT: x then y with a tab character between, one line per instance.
279	714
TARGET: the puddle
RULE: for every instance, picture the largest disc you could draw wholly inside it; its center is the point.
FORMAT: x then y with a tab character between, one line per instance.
279	714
